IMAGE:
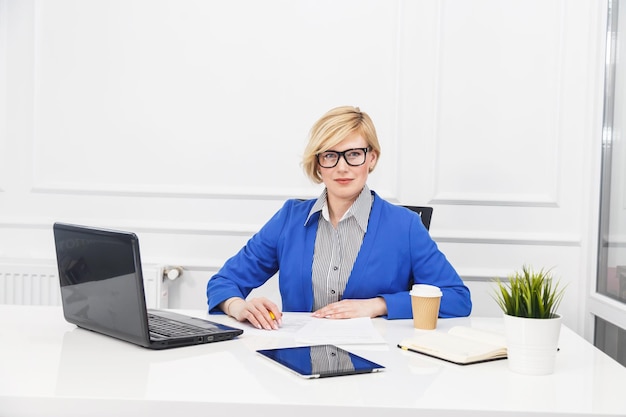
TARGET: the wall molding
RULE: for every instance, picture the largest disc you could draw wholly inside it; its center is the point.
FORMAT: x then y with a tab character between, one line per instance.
248	229
181	192
514	238
164	191
4	34
48	266
555	129
497	200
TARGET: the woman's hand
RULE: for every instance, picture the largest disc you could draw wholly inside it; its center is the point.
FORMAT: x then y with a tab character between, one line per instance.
349	309
260	312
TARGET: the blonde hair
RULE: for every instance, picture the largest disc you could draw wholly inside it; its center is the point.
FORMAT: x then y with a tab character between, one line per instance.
331	129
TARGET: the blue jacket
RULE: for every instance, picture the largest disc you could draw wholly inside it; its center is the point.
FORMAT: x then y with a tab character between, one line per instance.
397	251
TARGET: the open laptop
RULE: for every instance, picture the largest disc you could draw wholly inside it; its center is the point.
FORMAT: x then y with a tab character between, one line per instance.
102	290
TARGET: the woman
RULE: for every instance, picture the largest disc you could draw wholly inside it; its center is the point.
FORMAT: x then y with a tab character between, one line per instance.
346	254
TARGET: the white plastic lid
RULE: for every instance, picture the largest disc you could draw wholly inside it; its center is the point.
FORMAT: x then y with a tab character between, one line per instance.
425	290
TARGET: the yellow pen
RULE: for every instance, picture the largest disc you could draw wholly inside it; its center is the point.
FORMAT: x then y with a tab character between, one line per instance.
272	316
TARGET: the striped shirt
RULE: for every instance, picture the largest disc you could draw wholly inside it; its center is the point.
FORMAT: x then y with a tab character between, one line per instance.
337	249
328	359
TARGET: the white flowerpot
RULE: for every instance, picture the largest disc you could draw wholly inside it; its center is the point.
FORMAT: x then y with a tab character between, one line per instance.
532	344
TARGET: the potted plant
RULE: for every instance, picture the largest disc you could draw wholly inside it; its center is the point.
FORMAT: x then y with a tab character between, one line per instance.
529	300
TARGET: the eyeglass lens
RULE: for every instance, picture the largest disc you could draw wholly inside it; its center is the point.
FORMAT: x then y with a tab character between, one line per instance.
354	157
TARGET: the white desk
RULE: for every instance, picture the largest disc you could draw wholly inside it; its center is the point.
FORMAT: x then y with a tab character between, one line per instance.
51	368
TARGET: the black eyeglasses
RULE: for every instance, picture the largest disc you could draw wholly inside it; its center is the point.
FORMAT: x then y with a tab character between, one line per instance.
354	157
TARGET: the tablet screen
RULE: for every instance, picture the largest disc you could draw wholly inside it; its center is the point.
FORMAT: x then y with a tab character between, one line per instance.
320	361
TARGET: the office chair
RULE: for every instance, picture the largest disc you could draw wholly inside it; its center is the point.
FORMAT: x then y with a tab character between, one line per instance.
425	213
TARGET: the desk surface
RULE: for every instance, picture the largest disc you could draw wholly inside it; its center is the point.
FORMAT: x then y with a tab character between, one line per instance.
49	367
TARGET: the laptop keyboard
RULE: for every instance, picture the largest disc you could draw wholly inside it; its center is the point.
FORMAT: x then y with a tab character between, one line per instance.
171	328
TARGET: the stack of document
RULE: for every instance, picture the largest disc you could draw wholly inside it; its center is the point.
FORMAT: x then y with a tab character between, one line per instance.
339	332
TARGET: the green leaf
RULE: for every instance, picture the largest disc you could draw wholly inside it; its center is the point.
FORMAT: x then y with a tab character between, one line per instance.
529	293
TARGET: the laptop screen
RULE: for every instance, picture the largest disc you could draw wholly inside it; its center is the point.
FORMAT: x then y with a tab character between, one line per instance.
101	283
320	361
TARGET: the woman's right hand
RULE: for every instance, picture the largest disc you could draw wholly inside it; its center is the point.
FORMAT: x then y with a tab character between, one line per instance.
260	312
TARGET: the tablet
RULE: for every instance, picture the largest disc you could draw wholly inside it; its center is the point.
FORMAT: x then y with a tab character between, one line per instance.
320	361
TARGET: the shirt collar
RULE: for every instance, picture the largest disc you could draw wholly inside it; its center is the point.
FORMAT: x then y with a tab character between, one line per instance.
360	209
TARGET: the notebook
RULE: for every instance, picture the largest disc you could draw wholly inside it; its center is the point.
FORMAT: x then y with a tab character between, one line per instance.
102	290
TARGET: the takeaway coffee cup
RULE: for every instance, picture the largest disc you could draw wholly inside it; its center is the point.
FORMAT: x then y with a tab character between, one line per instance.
425	300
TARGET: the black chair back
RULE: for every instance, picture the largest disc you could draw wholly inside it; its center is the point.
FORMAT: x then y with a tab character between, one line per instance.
425	213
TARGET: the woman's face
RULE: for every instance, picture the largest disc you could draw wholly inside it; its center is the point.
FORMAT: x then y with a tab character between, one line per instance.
343	181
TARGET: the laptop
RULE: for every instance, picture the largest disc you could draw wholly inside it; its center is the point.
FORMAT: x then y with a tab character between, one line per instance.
102	290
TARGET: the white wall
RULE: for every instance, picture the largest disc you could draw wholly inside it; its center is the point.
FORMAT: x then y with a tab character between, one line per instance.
184	121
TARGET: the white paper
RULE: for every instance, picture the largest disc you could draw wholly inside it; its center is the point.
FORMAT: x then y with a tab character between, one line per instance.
339	332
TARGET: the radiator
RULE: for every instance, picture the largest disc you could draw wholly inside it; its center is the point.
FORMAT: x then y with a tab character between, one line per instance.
22	284
39	285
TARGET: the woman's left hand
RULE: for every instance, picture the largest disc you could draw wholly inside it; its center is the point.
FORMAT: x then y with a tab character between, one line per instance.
350	308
